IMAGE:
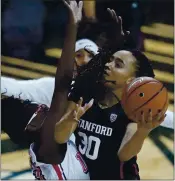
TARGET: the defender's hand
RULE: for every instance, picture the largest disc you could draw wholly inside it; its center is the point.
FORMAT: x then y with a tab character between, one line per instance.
75	10
117	32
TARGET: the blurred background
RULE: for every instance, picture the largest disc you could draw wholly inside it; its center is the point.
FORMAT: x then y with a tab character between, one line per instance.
32	37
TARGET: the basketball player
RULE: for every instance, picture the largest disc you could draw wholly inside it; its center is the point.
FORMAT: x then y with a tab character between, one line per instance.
107	139
41	90
51	160
83	110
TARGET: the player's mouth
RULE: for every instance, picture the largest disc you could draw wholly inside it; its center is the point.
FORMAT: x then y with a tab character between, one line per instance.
107	81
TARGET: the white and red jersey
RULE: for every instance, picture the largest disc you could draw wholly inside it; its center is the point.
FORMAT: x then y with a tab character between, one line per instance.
72	167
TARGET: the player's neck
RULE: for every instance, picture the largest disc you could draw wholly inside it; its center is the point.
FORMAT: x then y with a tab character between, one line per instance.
118	93
109	100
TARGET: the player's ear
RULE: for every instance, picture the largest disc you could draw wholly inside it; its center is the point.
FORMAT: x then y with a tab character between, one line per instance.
130	80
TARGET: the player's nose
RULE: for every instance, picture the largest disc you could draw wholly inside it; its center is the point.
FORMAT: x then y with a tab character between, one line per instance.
108	65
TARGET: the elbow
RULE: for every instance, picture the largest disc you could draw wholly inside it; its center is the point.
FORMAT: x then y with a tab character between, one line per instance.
125	156
122	157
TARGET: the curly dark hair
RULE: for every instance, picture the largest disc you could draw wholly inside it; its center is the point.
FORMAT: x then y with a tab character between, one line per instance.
144	67
90	81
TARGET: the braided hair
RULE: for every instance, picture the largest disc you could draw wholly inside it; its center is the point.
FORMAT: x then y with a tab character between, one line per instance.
89	82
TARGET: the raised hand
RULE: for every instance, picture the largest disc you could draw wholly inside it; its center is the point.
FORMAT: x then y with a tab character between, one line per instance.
75	10
77	110
81	110
117	33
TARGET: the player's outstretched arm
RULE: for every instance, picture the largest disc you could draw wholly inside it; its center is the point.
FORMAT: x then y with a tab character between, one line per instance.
48	150
36	90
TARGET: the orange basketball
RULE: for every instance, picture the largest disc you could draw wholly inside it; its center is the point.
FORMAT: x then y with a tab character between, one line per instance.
142	94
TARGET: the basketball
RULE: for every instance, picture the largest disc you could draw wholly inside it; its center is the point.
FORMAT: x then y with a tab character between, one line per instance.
142	94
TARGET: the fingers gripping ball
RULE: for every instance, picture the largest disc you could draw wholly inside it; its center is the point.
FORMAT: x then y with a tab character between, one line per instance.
143	94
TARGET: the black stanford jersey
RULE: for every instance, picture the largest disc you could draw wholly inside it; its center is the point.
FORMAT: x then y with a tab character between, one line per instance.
98	138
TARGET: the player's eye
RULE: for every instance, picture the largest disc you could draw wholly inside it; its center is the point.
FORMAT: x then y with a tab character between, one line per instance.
119	63
79	55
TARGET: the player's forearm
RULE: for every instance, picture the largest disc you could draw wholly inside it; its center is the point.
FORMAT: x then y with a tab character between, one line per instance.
59	100
35	90
133	146
65	65
64	128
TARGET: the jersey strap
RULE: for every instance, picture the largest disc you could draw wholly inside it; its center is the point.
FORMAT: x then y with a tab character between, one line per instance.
59	171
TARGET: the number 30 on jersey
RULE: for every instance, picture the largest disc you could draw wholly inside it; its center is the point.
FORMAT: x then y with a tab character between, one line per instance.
86	148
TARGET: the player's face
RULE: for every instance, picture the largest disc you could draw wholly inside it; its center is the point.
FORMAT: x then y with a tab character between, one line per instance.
82	57
120	69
